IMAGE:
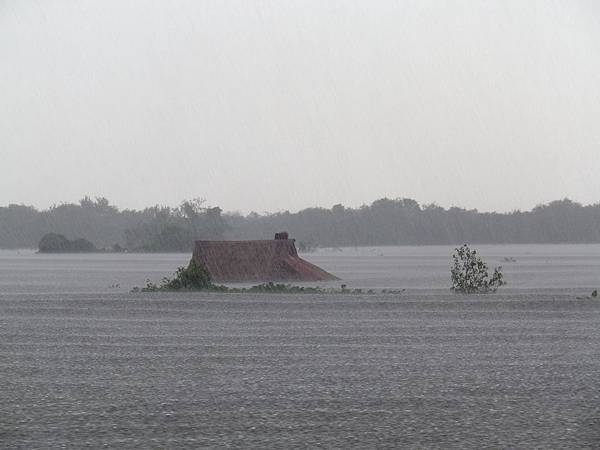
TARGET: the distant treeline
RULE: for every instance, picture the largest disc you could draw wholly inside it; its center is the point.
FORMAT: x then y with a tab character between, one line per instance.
384	222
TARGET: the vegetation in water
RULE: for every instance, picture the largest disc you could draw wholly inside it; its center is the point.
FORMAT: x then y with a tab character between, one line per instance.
196	278
469	273
593	296
57	243
193	277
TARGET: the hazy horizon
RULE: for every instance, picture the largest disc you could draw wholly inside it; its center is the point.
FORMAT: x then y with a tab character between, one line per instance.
245	212
269	106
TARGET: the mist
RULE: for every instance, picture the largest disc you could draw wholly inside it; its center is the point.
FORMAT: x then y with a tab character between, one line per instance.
272	106
299	224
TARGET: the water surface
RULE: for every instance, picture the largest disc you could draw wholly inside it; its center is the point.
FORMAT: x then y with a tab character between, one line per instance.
86	364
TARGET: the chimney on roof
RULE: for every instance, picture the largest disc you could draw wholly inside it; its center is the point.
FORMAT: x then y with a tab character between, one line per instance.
283	236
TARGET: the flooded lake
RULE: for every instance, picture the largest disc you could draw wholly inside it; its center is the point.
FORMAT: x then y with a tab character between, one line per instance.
86	364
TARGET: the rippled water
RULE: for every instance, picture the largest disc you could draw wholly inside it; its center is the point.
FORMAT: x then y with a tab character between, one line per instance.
525	266
86	364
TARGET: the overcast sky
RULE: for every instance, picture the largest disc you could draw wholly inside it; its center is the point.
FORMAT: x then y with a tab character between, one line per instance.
275	105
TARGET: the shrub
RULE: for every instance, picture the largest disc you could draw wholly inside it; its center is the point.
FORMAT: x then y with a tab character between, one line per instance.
57	243
82	245
470	273
53	243
194	276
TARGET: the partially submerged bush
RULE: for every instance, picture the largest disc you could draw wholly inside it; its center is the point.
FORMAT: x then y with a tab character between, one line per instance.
470	273
193	277
57	243
196	278
280	288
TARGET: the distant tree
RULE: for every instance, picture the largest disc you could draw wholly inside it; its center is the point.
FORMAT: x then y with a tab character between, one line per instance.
171	238
57	243
53	243
399	221
192	210
214	223
82	245
470	275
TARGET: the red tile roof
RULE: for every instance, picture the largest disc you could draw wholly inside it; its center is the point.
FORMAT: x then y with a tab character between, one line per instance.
256	261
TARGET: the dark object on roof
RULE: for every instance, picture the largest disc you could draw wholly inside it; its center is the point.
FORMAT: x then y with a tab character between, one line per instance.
256	261
283	235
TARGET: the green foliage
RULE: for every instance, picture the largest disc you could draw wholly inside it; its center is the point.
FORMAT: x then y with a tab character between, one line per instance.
82	245
470	275
171	238
53	243
405	222
196	278
193	277
164	229
384	222
57	243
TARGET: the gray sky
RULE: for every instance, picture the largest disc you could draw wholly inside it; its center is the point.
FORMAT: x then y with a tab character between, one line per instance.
274	105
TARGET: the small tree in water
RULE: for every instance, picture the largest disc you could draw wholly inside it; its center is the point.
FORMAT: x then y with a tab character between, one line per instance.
194	276
470	273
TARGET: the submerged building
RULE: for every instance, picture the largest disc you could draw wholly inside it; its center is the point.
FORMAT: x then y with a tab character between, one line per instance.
256	261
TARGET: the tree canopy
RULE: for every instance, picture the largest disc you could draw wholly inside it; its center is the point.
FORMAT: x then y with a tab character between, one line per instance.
384	222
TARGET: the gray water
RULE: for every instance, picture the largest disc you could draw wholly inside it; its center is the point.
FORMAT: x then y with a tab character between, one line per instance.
86	364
